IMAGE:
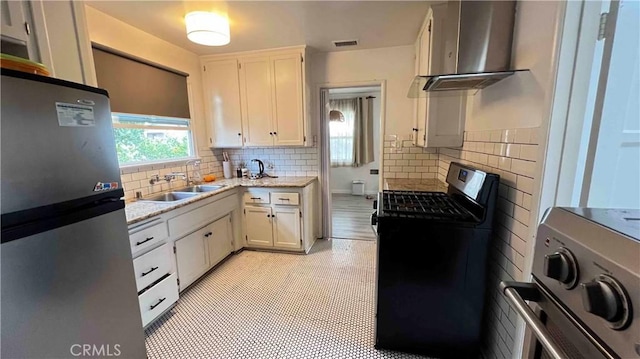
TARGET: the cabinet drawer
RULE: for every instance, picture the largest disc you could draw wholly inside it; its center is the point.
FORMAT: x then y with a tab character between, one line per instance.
285	198
157	299
152	266
256	197
146	237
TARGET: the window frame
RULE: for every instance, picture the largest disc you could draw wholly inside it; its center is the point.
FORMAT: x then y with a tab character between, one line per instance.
189	130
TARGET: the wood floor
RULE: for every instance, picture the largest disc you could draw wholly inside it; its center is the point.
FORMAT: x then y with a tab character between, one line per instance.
351	217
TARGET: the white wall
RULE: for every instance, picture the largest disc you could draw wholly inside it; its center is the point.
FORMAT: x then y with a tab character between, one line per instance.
111	32
341	177
393	64
519	101
506	130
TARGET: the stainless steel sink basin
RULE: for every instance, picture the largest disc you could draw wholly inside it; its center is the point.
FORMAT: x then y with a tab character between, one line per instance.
200	188
170	197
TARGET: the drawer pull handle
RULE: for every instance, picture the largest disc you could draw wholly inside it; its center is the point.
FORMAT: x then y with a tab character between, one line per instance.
256	198
208	234
145	241
284	199
153	306
150	270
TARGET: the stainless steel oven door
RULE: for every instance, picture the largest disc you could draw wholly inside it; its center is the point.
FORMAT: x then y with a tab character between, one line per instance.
551	333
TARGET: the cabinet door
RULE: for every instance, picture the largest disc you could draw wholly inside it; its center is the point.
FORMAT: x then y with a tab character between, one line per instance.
288	117
222	100
192	257
286	227
424	68
13	20
444	114
258	226
255	92
220	241
15	15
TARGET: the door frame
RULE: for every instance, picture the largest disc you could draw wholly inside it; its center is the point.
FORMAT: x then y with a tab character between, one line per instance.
322	130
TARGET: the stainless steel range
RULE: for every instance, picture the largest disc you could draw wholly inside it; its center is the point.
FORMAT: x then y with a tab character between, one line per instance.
584	301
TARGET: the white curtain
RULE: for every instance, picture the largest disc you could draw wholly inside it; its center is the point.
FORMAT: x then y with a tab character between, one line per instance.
341	134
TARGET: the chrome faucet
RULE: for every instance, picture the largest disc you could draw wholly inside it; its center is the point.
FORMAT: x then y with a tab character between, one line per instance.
186	169
173	175
154	179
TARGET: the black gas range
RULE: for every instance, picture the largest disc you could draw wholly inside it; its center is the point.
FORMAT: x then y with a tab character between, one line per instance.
431	267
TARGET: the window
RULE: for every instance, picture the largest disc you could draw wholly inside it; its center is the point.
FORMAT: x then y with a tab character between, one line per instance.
142	138
341	132
150	107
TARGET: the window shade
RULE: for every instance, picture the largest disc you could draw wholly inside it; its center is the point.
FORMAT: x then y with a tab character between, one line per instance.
139	88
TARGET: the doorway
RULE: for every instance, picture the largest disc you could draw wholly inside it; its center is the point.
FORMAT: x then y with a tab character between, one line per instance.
351	159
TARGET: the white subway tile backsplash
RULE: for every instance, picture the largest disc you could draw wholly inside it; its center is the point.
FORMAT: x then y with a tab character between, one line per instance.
523	135
512	154
525	184
529	152
526	168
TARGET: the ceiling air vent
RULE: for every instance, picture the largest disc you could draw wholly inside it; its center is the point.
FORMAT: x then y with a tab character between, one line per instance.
344	43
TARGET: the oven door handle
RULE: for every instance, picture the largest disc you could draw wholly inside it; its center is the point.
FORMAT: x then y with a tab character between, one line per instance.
517	293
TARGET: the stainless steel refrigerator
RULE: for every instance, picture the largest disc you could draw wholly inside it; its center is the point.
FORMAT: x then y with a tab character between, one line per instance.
67	280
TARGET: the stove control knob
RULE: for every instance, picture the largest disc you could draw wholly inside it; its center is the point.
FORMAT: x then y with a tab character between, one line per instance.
561	266
605	298
375	204
374	218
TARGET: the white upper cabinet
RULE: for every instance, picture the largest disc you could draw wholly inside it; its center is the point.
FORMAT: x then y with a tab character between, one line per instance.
422	67
271	99
255	89
15	17
288	127
222	101
439	120
51	32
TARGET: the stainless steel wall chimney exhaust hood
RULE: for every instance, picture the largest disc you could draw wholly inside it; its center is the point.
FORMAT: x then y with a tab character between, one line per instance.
476	51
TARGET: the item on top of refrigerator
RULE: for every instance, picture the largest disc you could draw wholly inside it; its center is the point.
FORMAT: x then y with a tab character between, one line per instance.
19	64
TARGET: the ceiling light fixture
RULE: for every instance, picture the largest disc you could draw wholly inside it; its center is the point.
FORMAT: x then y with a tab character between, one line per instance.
207	28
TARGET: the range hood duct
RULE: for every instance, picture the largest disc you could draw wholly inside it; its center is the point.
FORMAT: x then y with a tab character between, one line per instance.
477	48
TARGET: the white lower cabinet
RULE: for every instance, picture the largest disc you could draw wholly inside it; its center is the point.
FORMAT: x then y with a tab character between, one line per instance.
151	266
197	252
286	227
158	298
192	257
220	242
258	226
276	224
154	268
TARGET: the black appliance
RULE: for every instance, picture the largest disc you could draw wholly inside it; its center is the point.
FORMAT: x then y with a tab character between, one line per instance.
431	265
584	299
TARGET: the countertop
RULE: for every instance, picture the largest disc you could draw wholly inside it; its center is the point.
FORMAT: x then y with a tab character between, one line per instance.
137	211
410	184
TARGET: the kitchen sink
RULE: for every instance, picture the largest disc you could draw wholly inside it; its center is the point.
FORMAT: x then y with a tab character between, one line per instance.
170	197
200	188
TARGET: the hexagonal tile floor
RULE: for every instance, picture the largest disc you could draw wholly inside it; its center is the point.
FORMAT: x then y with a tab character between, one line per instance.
278	305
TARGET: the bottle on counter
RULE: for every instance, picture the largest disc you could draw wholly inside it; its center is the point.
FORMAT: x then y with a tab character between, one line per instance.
238	172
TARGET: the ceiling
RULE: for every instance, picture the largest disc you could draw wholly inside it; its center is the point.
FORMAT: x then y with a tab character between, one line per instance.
259	25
